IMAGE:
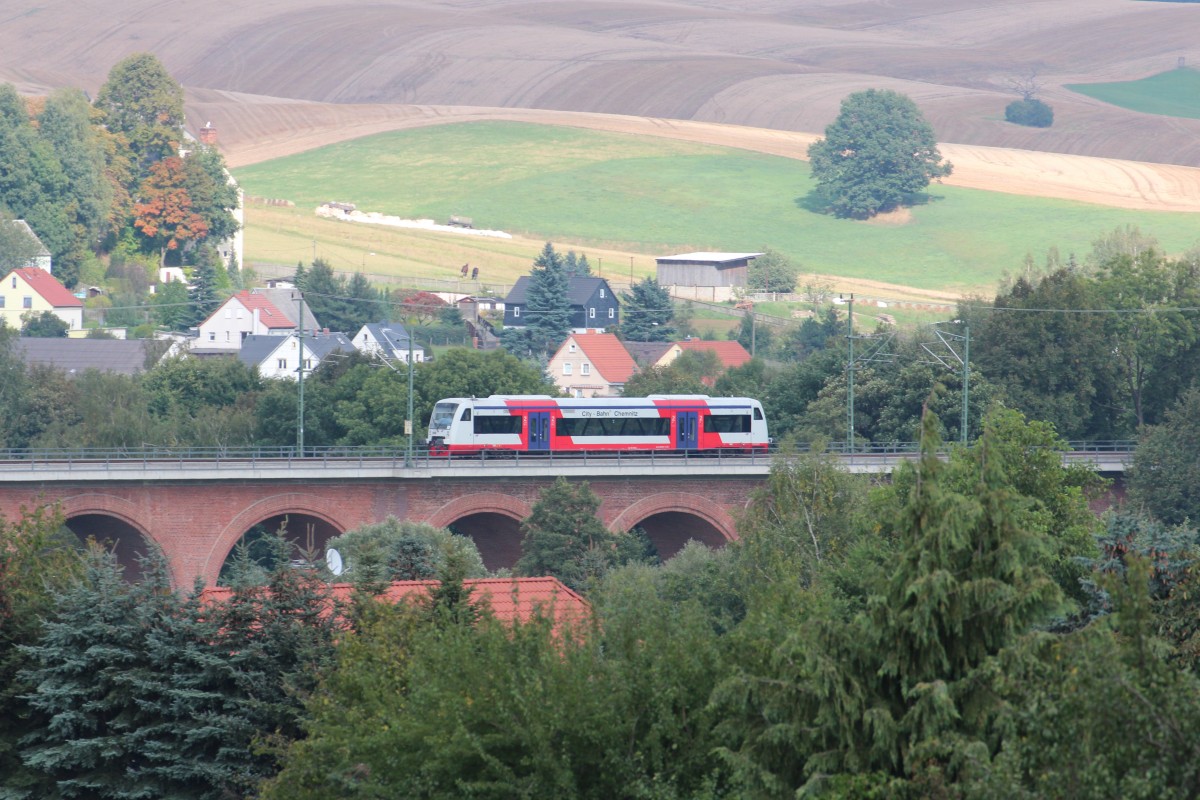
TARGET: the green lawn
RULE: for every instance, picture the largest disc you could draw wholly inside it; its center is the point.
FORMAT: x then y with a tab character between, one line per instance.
1174	94
657	196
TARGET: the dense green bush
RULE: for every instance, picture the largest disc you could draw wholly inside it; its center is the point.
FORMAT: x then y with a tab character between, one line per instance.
1033	113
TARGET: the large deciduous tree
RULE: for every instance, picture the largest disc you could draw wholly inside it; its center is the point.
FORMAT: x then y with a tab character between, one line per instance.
65	123
878	152
142	103
164	214
772	272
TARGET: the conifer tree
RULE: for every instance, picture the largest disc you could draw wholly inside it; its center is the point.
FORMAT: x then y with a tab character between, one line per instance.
563	536
81	670
647	313
203	294
547	312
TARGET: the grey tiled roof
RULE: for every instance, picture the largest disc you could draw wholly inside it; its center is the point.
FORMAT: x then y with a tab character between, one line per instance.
73	356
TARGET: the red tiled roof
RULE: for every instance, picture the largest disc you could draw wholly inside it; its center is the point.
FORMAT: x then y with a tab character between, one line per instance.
729	353
509	598
48	287
268	314
608	356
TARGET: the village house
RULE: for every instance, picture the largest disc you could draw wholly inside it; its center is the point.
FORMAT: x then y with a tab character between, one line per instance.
41	257
592	365
593	304
76	356
388	340
265	312
280	356
32	290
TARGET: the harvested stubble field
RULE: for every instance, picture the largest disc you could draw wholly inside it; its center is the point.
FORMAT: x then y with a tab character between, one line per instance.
282	76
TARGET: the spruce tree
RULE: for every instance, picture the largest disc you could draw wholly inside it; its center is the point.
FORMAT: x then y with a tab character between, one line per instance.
203	295
81	669
563	536
647	312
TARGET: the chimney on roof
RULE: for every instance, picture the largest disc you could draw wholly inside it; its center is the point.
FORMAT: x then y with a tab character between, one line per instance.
208	135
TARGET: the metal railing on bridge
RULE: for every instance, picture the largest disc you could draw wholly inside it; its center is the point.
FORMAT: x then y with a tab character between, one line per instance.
218	458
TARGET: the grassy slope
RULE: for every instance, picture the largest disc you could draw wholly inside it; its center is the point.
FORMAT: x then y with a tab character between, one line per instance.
1175	93
593	190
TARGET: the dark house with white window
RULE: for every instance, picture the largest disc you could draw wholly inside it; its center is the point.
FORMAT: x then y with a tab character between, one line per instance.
593	304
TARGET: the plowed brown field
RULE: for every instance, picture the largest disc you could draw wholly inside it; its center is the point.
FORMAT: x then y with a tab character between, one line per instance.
277	76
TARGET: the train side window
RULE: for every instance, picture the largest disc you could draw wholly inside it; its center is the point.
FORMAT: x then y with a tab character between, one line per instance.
497	425
727	423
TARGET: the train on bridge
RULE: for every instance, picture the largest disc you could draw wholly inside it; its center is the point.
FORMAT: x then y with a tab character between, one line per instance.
533	424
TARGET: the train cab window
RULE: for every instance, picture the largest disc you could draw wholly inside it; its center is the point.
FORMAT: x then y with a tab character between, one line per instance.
758	413
443	415
727	423
466	417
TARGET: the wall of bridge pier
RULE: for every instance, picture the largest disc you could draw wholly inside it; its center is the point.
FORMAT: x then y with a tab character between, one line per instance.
196	523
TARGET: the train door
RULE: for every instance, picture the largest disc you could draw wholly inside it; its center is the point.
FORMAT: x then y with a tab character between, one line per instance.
685	435
539	430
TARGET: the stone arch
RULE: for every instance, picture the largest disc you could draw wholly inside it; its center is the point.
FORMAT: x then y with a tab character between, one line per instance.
492	520
289	503
717	526
81	507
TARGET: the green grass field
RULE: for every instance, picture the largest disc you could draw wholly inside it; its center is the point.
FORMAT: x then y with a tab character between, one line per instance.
1175	93
596	191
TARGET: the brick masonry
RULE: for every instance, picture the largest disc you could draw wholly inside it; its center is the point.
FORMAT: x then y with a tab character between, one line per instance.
196	524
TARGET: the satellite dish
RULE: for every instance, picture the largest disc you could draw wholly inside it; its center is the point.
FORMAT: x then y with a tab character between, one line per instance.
333	560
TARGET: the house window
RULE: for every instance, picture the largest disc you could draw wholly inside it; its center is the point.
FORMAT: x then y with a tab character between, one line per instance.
27	302
14	281
281	363
308	363
516	311
585	368
1	301
212	336
227	336
612	313
228	313
591	313
601	294
239	313
566	368
571	347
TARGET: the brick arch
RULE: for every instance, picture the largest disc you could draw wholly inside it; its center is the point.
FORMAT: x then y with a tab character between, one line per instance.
120	509
95	503
683	502
276	505
479	503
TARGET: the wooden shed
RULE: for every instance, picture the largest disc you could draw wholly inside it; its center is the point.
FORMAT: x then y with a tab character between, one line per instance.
704	269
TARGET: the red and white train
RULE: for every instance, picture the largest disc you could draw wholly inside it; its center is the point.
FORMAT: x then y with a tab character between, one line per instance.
544	424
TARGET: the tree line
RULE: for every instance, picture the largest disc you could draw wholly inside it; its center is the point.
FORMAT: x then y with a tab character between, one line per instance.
113	188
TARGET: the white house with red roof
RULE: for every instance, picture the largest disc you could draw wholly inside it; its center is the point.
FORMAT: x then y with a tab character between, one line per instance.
592	365
250	313
32	290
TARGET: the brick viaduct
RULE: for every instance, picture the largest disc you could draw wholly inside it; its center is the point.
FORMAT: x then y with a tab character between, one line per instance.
195	514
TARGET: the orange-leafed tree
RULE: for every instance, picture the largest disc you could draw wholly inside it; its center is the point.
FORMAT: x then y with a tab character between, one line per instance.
164	213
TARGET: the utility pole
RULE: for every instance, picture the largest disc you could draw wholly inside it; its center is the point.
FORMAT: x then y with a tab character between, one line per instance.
850	376
963	360
966	377
408	423
300	374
